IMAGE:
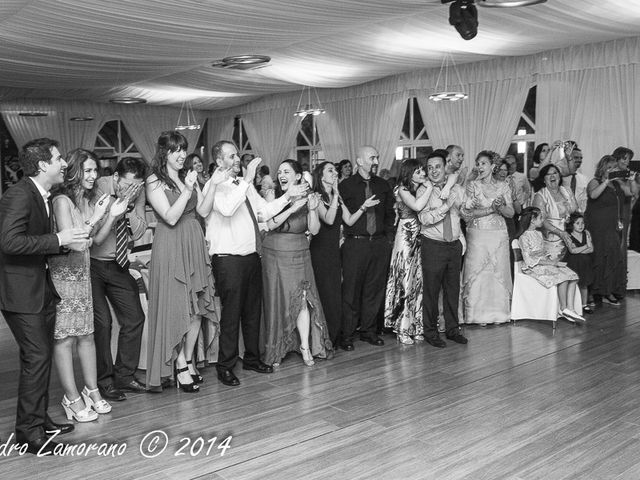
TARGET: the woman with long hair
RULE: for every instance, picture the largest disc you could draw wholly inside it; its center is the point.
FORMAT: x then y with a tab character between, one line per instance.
602	218
75	205
325	244
181	289
486	275
539	155
345	169
194	162
293	315
403	296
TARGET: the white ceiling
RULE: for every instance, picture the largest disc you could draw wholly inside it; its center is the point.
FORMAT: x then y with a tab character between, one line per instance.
162	50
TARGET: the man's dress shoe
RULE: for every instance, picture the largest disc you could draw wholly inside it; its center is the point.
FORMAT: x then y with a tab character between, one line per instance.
228	378
258	367
50	427
112	393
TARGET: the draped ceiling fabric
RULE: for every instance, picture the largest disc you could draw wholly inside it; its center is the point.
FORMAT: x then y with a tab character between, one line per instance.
162	50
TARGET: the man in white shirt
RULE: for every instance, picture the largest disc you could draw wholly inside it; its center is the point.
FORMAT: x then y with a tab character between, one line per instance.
232	209
441	251
576	181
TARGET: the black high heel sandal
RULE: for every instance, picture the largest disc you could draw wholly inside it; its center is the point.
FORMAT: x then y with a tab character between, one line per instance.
197	378
186	387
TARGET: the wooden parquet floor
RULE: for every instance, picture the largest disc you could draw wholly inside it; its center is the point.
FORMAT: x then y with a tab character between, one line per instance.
517	403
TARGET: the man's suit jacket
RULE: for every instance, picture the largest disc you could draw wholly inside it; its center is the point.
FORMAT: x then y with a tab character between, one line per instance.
26	239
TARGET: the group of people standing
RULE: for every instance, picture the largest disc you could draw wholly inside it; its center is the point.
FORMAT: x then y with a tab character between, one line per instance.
64	259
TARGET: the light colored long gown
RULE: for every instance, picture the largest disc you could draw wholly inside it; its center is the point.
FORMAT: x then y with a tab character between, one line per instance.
486	275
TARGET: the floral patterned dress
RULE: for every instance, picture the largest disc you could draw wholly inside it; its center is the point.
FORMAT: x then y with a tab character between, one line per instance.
533	250
403	297
71	276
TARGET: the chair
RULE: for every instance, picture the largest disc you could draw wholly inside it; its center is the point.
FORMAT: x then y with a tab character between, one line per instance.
532	301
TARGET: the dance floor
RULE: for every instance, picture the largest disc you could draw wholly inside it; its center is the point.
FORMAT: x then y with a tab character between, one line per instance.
518	402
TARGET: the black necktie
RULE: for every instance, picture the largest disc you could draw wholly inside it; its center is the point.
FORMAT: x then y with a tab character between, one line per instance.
371	213
256	229
122	239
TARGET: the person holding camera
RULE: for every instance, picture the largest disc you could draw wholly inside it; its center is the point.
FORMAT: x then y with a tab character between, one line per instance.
290	296
604	222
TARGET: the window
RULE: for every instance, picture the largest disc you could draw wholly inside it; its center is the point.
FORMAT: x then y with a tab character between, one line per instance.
10	171
308	145
112	144
523	141
414	140
240	137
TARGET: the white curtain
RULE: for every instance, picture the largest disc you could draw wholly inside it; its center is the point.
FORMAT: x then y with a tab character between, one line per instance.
374	120
331	137
598	108
272	133
487	120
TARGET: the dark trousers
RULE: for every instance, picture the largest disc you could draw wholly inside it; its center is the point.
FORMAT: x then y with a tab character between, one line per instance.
239	285
109	280
441	265
364	277
34	334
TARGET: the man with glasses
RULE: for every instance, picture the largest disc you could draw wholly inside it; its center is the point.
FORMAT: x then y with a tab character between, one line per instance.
232	208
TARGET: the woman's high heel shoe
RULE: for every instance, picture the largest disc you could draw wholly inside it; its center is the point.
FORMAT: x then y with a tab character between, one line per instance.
101	406
186	387
84	415
197	378
307	358
405	339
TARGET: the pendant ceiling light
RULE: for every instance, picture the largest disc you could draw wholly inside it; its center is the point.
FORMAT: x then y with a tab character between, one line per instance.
128	100
308	109
189	122
242	62
446	93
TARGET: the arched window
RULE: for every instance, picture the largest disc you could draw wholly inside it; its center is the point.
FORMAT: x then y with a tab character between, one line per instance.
308	145
113	143
523	142
414	141
240	137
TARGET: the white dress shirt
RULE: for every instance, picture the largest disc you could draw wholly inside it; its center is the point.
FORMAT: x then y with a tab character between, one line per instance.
230	229
581	189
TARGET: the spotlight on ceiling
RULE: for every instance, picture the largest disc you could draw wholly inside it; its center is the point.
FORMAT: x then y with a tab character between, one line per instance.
463	15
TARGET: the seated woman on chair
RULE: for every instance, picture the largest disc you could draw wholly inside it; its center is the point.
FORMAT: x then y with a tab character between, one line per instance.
542	266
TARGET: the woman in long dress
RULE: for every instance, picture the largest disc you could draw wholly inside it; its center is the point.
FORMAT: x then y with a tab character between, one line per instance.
325	245
403	296
75	206
293	315
603	221
486	277
181	288
541	265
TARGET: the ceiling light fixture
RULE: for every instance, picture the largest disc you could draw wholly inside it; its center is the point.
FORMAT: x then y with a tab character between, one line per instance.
190	120
308	109
507	3
127	100
33	114
445	94
242	62
84	118
463	15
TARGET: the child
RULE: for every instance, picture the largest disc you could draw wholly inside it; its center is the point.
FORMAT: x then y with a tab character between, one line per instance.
579	256
539	264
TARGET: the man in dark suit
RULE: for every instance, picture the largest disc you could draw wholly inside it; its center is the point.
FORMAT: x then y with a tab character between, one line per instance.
27	295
